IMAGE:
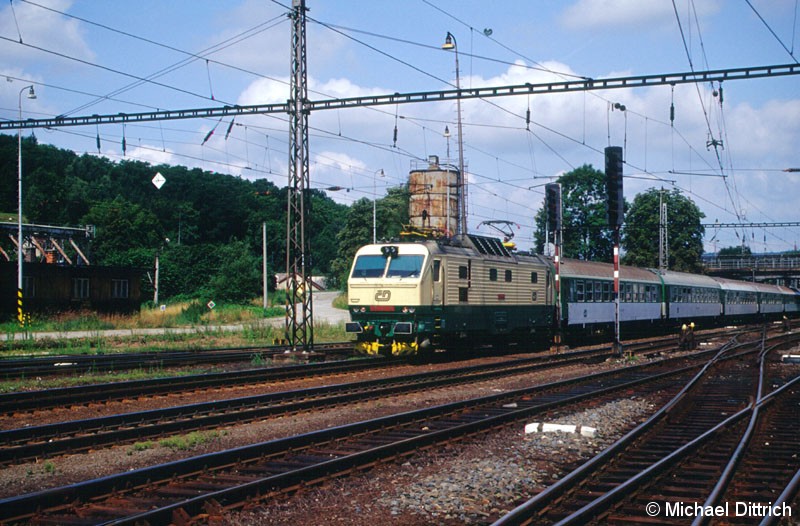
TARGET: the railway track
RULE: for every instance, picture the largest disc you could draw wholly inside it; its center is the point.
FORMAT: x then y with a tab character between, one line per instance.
204	486
688	456
76	436
32	367
16	402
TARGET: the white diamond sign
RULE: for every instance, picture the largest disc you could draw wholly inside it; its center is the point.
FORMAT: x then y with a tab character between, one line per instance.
159	180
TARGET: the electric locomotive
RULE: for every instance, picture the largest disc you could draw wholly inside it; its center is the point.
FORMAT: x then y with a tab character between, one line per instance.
407	297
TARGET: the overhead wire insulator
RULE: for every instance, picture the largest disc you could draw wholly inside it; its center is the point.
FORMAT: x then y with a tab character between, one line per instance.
672	106
396	109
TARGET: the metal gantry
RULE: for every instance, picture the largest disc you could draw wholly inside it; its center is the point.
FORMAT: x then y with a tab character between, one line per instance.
299	307
544	88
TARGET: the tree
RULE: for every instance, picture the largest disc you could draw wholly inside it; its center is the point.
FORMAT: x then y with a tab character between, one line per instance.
586	232
120	226
238	276
640	232
391	215
734	251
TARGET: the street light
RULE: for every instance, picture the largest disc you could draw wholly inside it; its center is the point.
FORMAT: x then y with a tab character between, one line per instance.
374	202
20	256
451	43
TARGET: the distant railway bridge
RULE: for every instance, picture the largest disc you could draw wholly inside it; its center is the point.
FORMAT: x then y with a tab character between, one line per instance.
780	269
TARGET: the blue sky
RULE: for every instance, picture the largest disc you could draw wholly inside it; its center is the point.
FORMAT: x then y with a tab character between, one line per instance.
84	57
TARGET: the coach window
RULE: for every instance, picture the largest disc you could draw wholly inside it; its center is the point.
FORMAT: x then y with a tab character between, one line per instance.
598	291
492	274
437	269
508	276
579	291
606	291
589	294
462	272
534	277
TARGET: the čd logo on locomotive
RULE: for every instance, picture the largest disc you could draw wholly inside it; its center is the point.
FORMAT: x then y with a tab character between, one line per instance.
383	295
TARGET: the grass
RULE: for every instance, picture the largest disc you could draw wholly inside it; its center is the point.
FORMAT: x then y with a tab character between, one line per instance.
189	441
208	325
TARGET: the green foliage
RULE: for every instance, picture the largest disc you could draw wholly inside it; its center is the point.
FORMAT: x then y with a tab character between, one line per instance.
189	441
391	214
206	227
125	226
237	276
640	234
191	314
586	234
734	251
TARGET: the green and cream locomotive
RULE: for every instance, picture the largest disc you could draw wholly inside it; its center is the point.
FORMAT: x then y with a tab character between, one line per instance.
406	297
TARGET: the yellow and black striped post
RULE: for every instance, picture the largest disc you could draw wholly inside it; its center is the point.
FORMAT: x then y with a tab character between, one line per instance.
20	315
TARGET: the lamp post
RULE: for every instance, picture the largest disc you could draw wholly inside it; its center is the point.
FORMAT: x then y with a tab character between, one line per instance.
374	204
20	256
451	43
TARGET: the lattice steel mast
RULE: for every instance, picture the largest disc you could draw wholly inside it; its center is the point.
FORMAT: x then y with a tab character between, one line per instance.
299	304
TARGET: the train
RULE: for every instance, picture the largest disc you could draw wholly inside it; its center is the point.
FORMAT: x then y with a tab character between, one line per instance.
413	297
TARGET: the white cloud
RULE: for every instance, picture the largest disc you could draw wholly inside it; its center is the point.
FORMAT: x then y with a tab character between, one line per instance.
619	14
41	28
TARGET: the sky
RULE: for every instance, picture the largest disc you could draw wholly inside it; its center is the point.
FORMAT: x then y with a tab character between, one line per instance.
109	56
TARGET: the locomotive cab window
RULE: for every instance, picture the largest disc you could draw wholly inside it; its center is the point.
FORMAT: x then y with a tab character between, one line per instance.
534	277
492	274
369	266
508	276
409	266
462	272
437	269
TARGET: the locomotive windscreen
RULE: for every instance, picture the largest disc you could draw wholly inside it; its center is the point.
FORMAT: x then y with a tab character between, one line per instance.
369	266
405	267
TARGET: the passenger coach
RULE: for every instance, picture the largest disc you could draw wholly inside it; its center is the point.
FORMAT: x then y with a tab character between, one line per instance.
587	297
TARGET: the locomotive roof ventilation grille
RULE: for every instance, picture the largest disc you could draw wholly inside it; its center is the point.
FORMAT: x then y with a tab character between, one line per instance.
489	245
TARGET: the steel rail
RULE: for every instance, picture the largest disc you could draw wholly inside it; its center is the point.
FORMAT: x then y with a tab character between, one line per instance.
402	435
15	402
62	364
11	403
526	512
78	435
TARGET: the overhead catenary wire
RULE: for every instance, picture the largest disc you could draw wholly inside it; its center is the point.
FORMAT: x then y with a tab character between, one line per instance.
528	139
